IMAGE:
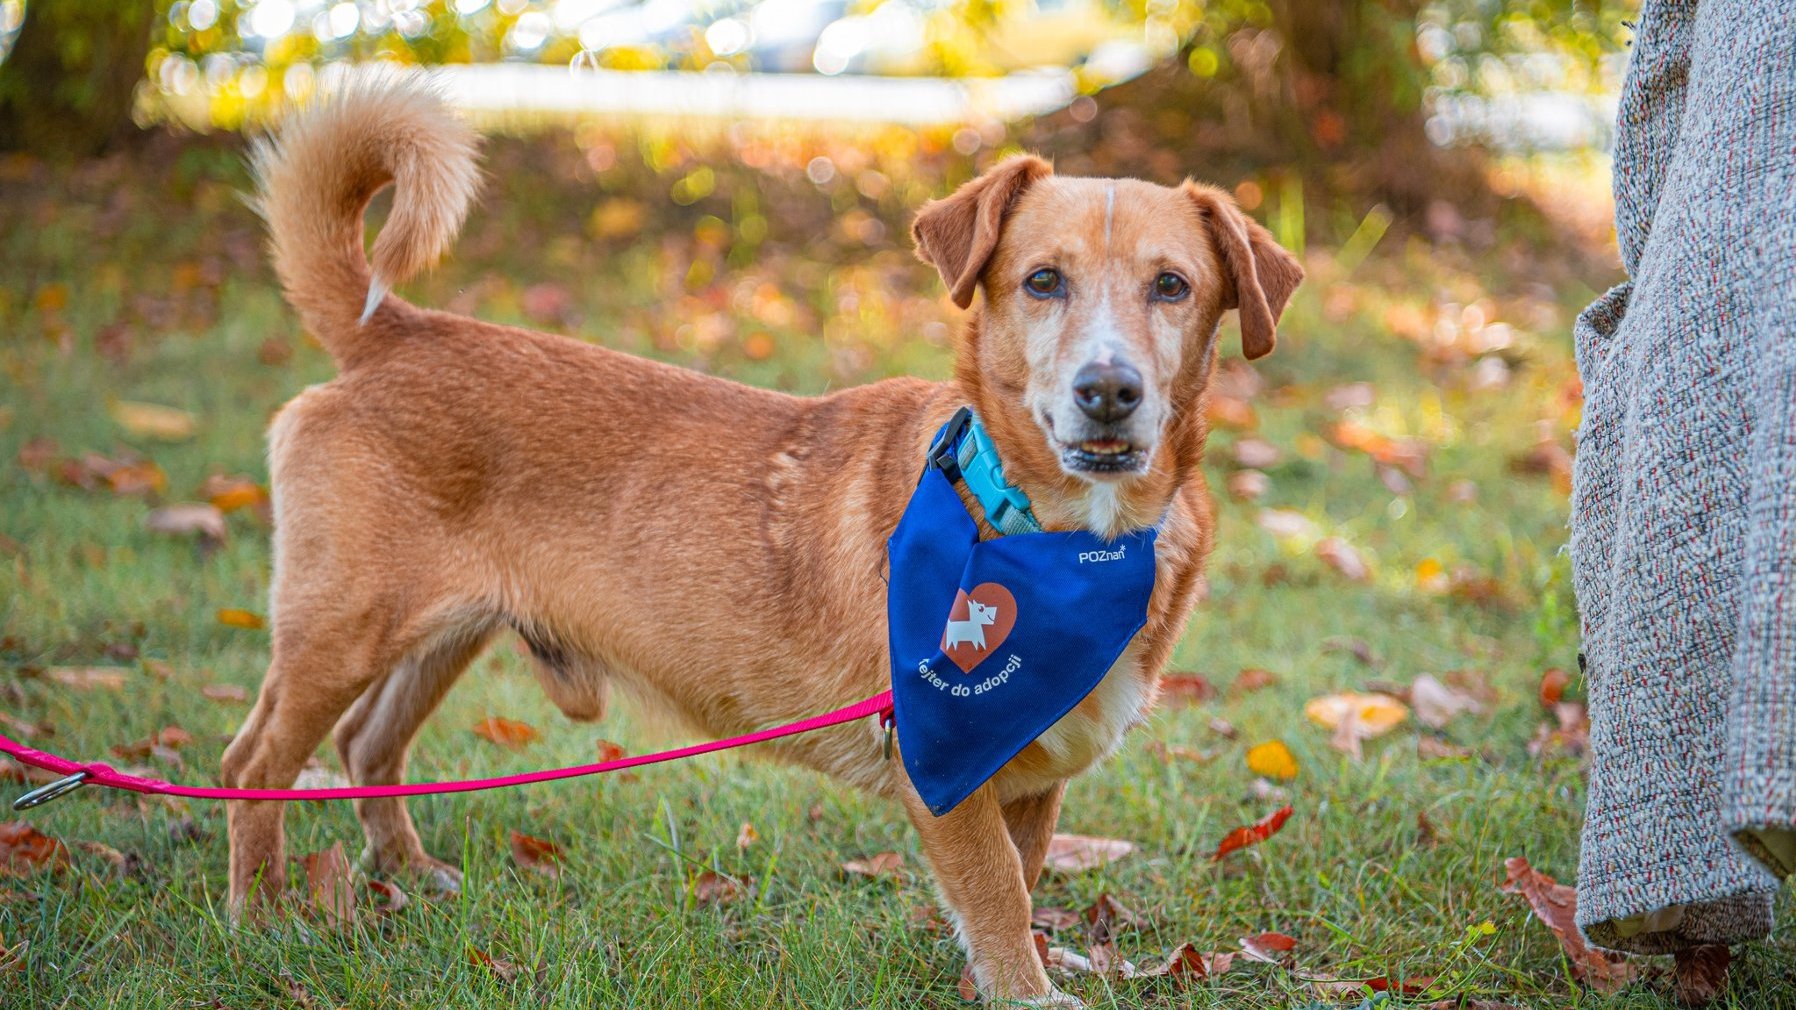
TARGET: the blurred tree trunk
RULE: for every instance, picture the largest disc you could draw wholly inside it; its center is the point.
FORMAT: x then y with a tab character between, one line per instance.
1326	94
1348	84
67	88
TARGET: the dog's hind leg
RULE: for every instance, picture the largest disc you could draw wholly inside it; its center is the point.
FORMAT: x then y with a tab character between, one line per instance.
326	653
375	736
1031	822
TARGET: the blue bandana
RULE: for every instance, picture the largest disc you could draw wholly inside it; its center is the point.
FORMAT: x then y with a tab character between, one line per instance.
994	641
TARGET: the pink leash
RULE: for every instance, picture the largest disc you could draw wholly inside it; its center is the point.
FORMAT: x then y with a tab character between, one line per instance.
81	773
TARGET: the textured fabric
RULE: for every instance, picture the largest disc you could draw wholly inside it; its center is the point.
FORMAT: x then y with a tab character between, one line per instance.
1683	532
994	641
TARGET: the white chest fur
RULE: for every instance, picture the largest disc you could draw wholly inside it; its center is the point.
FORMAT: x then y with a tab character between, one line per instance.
1091	731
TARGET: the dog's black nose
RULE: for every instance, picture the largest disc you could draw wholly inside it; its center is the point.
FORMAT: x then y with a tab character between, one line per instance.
1107	392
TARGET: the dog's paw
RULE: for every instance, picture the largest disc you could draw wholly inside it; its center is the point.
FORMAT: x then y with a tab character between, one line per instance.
1054	998
438	879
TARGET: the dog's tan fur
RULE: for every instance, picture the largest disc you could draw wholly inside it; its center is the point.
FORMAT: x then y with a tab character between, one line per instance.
678	533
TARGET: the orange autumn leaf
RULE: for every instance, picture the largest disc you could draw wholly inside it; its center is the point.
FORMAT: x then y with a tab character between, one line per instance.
505	732
24	848
329	885
712	888
609	751
1552	687
1556	906
1183	688
1267	947
228	494
232	617
1252	679
1254	833
537	854
1273	760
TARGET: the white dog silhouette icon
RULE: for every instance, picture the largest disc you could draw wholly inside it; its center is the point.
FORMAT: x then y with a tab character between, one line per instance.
972	630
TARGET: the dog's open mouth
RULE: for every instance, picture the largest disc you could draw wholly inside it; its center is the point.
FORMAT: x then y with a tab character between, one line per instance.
1103	455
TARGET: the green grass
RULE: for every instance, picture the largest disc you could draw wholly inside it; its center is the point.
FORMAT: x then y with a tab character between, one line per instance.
169	256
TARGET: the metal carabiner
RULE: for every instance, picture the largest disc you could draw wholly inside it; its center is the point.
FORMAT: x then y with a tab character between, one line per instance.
44	794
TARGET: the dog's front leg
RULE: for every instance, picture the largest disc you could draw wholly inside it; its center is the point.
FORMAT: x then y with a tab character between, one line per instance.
981	879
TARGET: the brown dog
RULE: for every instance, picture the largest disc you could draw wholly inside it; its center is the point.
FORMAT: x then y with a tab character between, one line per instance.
458	479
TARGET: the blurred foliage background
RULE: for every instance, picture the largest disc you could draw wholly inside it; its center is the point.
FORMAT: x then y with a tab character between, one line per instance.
1395	101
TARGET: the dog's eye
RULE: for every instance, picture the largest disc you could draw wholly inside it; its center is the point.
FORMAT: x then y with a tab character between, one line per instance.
1170	287
1043	283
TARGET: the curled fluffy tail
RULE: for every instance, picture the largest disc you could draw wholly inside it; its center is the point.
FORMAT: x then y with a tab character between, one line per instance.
314	181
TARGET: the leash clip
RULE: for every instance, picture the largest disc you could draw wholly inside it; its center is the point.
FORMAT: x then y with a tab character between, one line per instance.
44	794
887	722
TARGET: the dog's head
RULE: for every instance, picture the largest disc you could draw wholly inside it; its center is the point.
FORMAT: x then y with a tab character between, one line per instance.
981	613
1102	300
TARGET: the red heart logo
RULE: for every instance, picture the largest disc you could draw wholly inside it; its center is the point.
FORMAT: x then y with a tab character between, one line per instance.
978	623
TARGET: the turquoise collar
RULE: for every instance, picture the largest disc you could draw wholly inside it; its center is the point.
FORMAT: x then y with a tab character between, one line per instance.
965	454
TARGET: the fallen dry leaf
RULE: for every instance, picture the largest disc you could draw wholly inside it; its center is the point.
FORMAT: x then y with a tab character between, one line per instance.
1355	718
1078	853
1232	412
233	693
1168	752
1571	735
385	897
1699	974
504	969
1344	558
228	494
166	741
880	864
1552	687
1252	679
1430	748
122	864
1436	704
233	617
538	854
712	888
1187	963
203	521
1184	688
1355	647
1548	458
1273	760
1426	833
152	420
1253	834
329	885
1256	454
88	678
1113	914
24	728
1286	524
746	836
1054	919
608	751
1557	906
1248	485
1223	728
1407	454
1268	947
505	732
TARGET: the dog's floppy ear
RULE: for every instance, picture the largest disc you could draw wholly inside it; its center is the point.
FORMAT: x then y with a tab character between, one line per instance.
1259	274
957	234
